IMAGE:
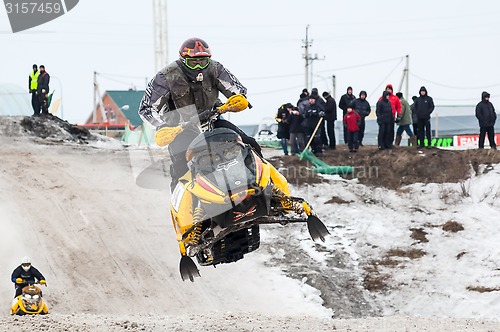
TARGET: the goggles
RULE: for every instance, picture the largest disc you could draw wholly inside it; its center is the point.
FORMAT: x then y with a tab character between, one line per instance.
197	63
26	264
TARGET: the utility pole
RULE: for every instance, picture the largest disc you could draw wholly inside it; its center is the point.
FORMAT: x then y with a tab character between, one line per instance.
160	33
407	90
94	115
306	46
334	87
309	59
405	78
98	100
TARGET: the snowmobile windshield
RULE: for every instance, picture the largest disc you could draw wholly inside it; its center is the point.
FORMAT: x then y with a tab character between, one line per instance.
31	298
218	157
229	167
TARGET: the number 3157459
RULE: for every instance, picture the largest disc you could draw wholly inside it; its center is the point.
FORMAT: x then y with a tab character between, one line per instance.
33	7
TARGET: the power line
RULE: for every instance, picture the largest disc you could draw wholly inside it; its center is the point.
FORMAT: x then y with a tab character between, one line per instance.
455	87
385	78
117	81
323	70
461	99
279	90
362	65
119	75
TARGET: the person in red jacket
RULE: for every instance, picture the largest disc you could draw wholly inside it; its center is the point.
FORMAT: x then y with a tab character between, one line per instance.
352	119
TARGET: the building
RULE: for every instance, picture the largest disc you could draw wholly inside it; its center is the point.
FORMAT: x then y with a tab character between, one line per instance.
120	109
14	100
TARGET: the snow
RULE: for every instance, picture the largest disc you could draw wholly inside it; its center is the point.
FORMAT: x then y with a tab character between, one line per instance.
379	220
108	251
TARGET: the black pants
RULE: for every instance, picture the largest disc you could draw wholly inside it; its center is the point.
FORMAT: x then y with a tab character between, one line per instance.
42	98
35	102
297	142
345	132
390	139
353	140
361	132
491	136
330	129
177	149
19	289
316	143
424	129
322	129
384	135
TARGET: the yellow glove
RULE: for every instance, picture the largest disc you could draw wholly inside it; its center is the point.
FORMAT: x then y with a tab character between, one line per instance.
19	281
166	135
43	282
235	103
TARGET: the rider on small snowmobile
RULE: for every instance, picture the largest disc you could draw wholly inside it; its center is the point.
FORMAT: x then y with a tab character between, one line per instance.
26	274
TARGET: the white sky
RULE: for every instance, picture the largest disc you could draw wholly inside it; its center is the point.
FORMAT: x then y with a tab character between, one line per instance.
452	45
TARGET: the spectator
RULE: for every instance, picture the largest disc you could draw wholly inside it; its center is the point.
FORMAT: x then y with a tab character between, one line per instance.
396	108
404	121
313	114
32	86
322	129
362	107
351	119
283	118
330	117
303	100
395	102
297	130
414	118
43	89
385	120
424	106
304	95
485	113
345	101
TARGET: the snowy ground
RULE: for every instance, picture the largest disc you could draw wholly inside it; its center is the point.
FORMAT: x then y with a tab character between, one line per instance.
108	251
453	227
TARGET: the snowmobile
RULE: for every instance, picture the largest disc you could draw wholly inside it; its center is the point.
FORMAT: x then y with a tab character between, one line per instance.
228	192
30	302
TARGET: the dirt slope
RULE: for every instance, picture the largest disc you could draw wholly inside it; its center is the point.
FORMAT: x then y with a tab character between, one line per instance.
103	242
394	168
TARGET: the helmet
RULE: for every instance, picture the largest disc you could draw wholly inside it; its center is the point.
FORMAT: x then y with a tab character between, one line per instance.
195	53
26	263
194	47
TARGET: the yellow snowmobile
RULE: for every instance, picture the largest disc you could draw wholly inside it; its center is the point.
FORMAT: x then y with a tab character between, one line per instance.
229	190
30	302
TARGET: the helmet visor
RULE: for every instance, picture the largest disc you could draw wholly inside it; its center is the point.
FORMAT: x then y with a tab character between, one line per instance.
197	63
